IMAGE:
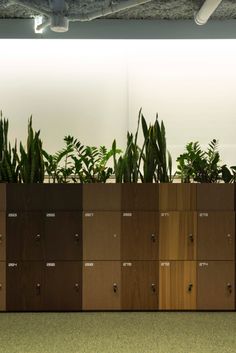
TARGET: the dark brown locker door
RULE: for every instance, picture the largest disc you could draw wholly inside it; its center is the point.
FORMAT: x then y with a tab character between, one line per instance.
63	235
101	235
63	286
177	236
3	197
101	285
25	238
102	197
139	285
139	197
177	197
2	236
177	285
62	197
216	285
215	197
24	286
216	235
2	286
139	240
24	197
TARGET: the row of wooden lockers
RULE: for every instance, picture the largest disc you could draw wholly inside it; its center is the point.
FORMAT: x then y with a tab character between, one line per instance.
128	196
115	285
113	235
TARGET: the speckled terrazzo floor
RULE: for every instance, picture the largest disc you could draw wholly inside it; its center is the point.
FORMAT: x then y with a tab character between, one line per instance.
118	332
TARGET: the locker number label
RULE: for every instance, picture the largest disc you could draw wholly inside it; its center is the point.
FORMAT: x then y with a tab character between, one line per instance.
89	214
50	264
203	214
12	264
88	264
165	214
165	264
127	214
127	264
50	215
203	264
12	215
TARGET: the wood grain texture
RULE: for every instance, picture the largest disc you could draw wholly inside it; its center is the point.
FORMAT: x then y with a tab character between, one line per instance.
139	239
212	197
175	278
62	197
177	235
216	235
177	197
140	285
101	235
24	197
2	286
214	279
101	197
63	236
99	278
2	236
139	197
2	197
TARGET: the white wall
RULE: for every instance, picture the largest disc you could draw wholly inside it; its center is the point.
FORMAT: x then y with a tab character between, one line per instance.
94	89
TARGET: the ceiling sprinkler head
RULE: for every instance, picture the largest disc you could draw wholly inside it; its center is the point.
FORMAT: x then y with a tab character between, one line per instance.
59	23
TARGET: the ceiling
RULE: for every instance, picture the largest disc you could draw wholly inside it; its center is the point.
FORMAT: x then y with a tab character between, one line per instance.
156	9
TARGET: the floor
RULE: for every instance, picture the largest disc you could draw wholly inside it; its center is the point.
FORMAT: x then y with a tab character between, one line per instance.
162	332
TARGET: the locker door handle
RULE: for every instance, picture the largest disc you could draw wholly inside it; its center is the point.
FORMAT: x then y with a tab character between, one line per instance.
76	237
1	238
115	287
191	237
77	287
153	238
38	288
229	286
153	287
190	286
37	237
0	286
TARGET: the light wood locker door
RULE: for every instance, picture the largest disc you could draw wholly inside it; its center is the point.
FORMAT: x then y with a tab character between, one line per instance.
177	285
2	286
63	286
101	285
216	197
101	235
216	236
102	197
177	197
216	285
177	236
2	236
63	235
139	285
139	239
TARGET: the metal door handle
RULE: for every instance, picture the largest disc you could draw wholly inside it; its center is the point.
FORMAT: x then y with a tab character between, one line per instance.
153	287
153	237
190	286
115	288
38	288
77	287
0	286
191	237
1	238
76	237
229	286
38	236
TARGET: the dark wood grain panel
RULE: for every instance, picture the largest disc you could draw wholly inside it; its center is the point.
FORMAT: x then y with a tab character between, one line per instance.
215	197
216	285
140	285
2	286
177	197
63	235
2	236
216	235
62	197
140	197
101	235
2	197
101	285
178	236
63	286
139	240
23	197
177	285
102	197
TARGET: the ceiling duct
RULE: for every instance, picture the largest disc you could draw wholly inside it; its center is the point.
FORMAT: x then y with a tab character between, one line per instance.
206	11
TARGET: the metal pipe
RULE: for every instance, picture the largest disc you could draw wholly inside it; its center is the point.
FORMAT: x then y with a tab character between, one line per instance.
206	11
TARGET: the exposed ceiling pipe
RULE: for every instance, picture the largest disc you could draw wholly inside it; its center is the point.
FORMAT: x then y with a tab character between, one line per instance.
206	11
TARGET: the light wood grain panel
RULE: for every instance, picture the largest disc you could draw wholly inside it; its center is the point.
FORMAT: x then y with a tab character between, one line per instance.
2	286
212	197
177	197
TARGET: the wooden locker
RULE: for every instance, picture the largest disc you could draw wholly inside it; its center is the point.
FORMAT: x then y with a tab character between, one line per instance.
177	236
216	285
2	236
63	235
139	197
24	197
177	285
139	240
216	235
62	197
216	197
102	197
2	286
101	235
101	285
177	197
139	285
63	286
